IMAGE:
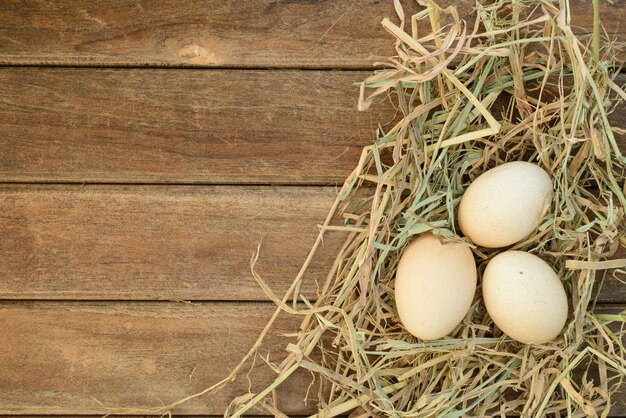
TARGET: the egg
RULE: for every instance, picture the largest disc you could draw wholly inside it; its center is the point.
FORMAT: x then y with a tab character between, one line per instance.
524	297
434	287
504	205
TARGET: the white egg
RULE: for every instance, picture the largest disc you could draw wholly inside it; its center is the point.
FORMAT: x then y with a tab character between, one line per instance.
434	287
505	204
524	297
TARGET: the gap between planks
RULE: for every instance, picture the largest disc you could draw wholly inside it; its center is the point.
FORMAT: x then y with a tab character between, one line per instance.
176	67
174	183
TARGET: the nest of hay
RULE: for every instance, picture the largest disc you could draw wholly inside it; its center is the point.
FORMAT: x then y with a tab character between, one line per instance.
515	84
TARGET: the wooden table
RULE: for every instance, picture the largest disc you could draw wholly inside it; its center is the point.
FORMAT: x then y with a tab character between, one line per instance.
145	148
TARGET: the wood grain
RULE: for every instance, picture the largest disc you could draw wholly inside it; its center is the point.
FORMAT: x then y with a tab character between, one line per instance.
610	289
155	243
82	358
85	358
216	33
165	243
191	126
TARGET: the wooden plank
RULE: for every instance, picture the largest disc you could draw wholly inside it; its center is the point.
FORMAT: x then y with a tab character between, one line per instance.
165	242
610	284
192	126
241	33
172	243
84	358
80	358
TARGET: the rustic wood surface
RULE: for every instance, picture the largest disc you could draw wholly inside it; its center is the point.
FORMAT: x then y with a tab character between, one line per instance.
166	242
86	357
88	271
216	33
173	243
192	126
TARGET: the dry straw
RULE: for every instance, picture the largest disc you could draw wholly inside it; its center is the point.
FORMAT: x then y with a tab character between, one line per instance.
514	84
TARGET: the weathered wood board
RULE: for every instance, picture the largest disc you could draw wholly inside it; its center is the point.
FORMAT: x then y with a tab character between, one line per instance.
89	357
216	33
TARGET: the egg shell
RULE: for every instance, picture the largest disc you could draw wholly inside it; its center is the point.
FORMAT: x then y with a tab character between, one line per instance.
505	204
524	297
434	287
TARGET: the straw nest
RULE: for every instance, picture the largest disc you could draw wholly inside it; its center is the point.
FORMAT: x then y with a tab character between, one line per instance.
515	84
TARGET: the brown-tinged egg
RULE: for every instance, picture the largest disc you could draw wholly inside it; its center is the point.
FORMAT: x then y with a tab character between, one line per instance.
524	297
434	287
505	204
